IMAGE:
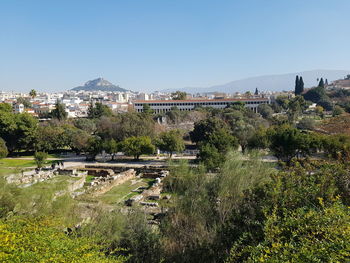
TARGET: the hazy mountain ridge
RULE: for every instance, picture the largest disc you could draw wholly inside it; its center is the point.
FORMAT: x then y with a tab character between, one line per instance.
278	82
99	84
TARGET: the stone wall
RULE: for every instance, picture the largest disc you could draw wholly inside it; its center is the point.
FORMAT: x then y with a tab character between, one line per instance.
119	169
31	177
77	184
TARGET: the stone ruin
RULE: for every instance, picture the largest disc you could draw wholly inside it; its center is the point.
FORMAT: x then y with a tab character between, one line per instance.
105	180
151	193
40	175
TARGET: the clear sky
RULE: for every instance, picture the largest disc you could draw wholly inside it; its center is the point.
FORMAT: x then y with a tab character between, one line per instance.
159	44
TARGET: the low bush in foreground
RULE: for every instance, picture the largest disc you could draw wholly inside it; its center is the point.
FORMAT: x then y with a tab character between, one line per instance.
40	240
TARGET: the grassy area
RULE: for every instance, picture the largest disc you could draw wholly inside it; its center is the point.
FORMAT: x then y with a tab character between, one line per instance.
19	163
30	155
122	192
58	183
48	198
11	162
89	178
14	165
5	171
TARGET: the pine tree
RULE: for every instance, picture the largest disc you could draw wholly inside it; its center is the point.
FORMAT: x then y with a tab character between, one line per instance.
256	91
321	83
301	85
326	82
297	86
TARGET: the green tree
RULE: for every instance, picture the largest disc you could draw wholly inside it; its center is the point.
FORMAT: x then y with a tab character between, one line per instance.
147	109
301	85
243	131
265	110
295	107
337	110
32	93
326	103
111	147
136	146
59	112
210	156
337	146
94	146
27	127
319	110
87	125
288	142
3	149
79	140
179	95
26	103
204	128
122	126
175	115
209	133
306	124
49	137
215	132
297	86
315	94
8	130
321	83
260	139
40	158
5	107
171	142
18	130
97	110
283	101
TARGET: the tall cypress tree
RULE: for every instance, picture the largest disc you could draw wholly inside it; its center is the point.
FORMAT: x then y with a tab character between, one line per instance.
256	91
301	85
297	86
321	83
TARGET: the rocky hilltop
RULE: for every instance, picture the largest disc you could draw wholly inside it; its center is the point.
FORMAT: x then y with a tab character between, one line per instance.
99	84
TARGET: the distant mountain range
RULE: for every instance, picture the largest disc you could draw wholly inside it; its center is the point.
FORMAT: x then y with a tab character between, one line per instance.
99	84
269	82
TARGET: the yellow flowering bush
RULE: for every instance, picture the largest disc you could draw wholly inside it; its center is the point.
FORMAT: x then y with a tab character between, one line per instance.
40	240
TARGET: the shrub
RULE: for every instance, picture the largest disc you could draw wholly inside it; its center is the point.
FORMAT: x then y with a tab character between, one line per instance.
306	124
40	158
3	149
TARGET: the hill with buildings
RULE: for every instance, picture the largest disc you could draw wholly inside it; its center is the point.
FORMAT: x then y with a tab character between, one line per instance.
99	84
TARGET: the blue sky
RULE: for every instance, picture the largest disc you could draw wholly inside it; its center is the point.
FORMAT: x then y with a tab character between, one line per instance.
152	45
